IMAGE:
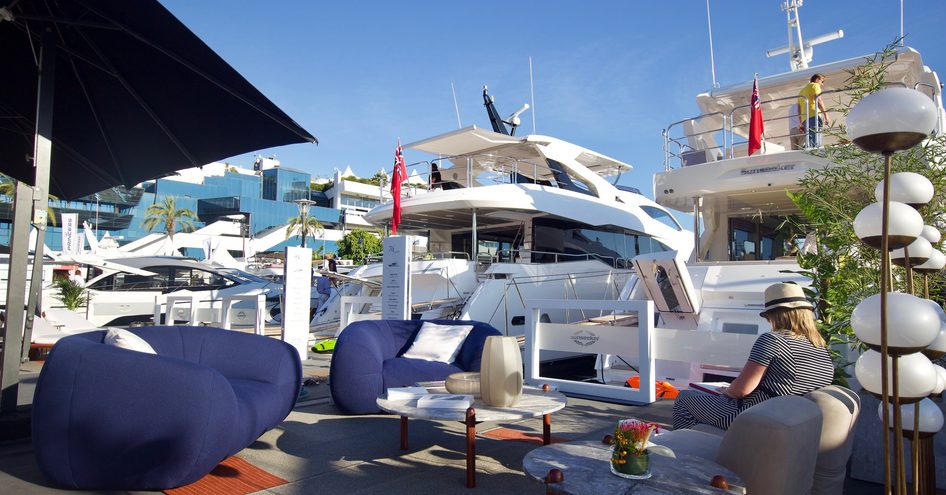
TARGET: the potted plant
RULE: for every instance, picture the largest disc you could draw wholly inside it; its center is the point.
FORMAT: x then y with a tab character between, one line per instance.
629	457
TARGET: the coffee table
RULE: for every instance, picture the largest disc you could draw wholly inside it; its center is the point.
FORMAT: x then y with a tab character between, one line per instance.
535	402
587	471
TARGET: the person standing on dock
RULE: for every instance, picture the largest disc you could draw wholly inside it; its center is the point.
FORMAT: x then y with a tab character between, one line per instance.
76	278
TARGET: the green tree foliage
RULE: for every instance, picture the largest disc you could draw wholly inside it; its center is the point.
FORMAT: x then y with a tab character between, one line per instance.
357	245
168	214
844	271
308	226
8	188
70	294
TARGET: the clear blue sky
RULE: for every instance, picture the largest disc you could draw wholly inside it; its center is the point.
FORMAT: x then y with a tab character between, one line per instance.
609	75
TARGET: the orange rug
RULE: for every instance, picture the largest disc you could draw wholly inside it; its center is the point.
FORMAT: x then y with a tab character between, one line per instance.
503	433
233	476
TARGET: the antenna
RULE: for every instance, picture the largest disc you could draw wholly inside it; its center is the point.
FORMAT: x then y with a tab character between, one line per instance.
709	27
798	49
532	90
455	106
901	22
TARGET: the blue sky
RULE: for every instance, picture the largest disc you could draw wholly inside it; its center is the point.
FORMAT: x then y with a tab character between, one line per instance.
608	75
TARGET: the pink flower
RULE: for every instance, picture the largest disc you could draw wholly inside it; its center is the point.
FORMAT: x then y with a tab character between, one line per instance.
631	436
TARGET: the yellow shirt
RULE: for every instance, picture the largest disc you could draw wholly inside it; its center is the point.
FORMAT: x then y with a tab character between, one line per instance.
808	96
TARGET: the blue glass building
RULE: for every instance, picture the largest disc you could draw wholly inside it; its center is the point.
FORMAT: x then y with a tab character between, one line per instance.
263	199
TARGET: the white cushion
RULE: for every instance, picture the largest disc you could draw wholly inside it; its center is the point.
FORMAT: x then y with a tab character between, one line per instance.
438	342
120	337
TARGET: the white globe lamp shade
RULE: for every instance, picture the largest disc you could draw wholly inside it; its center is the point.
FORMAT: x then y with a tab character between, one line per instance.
931	417
933	265
940	384
932	234
906	225
912	324
919	252
891	119
917	375
937	347
942	374
907	187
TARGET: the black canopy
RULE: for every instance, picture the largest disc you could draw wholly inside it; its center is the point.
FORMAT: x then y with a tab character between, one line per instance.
137	96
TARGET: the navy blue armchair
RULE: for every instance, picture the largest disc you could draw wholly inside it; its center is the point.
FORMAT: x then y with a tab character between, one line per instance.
106	418
367	360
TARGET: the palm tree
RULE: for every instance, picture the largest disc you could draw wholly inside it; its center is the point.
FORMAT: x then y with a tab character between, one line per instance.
8	188
309	226
167	213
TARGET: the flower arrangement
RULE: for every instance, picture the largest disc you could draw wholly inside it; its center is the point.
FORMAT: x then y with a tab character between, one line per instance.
630	439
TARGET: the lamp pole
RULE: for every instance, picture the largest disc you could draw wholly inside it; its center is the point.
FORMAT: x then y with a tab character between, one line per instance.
304	205
885	122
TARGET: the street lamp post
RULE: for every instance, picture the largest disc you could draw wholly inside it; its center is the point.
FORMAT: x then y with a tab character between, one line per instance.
304	205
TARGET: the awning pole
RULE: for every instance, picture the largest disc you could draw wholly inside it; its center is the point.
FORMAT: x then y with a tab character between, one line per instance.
476	245
697	210
19	256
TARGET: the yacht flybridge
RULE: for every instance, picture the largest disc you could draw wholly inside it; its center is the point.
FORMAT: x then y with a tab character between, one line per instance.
740	198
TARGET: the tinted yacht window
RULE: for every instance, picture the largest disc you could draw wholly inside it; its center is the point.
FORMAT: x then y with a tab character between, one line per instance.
661	216
559	240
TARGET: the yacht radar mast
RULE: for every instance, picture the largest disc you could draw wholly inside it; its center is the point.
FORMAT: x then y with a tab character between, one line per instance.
798	49
499	125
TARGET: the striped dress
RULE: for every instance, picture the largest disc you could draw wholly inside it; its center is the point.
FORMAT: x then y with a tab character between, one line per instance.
793	367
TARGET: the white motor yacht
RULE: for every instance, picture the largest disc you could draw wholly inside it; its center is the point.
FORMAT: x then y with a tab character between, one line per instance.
124	291
535	216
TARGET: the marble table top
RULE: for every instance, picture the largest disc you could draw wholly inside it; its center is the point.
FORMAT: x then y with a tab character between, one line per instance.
587	471
533	403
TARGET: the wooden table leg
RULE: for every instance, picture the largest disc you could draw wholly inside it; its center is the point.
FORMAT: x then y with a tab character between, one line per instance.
546	429
470	448
403	432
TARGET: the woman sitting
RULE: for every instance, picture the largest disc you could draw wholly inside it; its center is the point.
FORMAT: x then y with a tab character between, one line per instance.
792	359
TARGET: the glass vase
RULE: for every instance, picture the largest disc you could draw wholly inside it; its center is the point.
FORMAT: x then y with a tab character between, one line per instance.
635	466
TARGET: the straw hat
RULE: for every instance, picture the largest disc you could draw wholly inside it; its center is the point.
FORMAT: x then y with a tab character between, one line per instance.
784	296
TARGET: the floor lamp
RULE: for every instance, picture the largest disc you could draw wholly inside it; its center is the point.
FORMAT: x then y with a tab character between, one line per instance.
885	122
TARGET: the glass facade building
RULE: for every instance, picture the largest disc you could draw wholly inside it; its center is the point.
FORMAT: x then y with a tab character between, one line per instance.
265	200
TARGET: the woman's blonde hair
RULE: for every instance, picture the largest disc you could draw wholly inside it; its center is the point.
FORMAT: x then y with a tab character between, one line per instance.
800	321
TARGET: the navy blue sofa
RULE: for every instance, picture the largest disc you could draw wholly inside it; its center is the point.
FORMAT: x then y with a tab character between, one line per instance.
366	360
106	418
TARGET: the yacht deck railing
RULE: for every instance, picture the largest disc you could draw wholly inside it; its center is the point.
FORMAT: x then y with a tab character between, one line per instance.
715	136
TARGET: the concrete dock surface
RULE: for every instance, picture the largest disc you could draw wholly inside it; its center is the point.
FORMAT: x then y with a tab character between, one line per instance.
318	450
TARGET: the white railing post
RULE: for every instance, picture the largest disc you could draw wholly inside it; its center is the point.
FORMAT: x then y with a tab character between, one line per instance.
192	311
259	302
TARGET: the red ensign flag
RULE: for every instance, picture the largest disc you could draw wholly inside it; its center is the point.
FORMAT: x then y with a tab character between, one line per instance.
399	175
756	128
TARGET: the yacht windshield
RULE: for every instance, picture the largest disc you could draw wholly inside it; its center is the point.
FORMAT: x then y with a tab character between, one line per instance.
662	216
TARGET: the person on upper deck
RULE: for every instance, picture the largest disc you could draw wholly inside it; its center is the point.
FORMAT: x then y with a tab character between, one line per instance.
435	179
792	359
809	106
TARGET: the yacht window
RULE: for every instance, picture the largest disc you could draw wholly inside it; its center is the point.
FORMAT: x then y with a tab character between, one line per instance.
758	239
559	240
196	279
123	281
662	216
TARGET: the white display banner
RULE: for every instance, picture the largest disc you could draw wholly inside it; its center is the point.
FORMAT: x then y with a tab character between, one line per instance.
396	282
297	290
71	243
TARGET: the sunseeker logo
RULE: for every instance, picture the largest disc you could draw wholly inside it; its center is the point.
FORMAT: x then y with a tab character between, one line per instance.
766	170
584	338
